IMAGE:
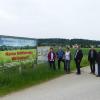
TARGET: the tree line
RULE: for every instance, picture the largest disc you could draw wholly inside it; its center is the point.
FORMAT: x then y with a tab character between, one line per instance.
70	42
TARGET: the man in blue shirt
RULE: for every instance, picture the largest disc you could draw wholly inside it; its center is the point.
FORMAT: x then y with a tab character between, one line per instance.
60	57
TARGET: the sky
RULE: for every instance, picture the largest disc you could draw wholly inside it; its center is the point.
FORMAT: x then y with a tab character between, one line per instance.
50	18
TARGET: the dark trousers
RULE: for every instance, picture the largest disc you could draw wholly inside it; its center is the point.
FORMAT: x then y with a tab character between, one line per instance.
59	61
67	65
92	65
98	69
52	65
78	66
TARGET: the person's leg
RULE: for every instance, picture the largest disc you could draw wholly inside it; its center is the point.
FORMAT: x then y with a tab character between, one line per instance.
69	66
50	63
65	66
63	60
78	67
59	63
98	69
79	71
54	67
93	67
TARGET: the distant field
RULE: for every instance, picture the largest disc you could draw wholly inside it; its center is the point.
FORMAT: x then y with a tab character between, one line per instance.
11	80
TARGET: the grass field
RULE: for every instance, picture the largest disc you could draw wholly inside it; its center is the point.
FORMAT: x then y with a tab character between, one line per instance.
11	80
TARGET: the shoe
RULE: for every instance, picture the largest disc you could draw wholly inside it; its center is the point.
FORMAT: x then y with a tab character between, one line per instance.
91	73
68	72
78	73
97	75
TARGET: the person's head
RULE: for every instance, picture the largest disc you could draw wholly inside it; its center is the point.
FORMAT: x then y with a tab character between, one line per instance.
67	49
60	48
92	47
51	49
78	47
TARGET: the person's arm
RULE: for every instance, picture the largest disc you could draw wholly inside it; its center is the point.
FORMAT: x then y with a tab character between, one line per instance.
55	55
89	56
70	56
63	54
97	58
80	56
48	56
96	54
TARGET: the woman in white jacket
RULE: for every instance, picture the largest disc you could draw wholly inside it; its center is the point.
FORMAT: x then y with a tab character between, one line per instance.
67	60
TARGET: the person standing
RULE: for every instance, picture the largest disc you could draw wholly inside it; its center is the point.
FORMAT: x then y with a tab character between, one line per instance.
60	57
51	58
98	62
78	58
92	59
67	60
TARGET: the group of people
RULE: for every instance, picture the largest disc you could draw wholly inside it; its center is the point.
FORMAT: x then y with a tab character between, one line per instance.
93	57
66	57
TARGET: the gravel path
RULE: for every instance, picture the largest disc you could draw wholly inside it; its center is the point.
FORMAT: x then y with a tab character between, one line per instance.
67	87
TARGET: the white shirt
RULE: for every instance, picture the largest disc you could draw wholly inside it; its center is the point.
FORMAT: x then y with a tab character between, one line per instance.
67	55
52	57
91	54
76	53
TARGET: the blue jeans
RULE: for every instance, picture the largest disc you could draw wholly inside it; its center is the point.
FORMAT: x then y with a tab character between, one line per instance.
67	65
59	61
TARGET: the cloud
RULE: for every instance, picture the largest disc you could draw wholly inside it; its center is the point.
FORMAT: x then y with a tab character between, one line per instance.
50	18
6	16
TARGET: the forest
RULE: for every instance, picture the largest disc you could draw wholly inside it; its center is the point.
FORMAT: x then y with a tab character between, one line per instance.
85	43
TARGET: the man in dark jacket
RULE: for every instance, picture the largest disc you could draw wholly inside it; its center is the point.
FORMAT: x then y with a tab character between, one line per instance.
78	58
92	59
98	62
51	58
60	57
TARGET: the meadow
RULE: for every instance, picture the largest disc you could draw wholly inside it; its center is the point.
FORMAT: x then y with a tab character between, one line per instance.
12	80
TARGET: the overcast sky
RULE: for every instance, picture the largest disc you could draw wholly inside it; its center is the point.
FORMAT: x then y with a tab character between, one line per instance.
50	18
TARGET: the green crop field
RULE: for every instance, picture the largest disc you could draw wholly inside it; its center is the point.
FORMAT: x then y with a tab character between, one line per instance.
12	80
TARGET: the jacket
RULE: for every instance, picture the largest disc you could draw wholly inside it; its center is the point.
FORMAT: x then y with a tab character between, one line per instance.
79	55
49	56
60	54
94	55
98	58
